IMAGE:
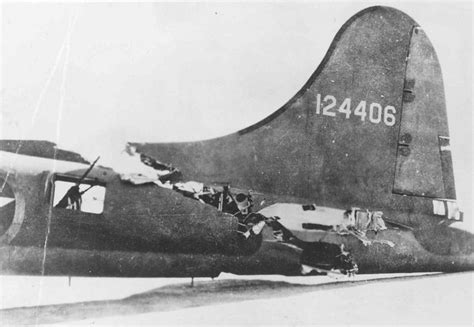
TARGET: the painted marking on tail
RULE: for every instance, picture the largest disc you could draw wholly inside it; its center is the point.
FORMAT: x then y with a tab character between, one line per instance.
377	113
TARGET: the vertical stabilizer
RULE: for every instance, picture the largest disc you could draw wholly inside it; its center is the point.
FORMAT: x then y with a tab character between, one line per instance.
368	129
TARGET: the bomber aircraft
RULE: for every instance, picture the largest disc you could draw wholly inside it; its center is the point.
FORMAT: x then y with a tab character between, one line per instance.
352	175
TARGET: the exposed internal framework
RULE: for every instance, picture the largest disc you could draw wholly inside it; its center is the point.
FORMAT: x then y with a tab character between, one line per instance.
291	224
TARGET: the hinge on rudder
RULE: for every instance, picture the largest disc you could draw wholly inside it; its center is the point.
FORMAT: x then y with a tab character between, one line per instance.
404	144
408	87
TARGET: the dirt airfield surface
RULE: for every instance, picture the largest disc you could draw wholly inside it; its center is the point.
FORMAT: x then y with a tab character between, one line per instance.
230	299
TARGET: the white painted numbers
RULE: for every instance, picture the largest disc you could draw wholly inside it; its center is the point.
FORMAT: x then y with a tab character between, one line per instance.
389	115
373	112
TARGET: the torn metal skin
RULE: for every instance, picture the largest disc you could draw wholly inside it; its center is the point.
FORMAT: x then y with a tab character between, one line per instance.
164	215
316	256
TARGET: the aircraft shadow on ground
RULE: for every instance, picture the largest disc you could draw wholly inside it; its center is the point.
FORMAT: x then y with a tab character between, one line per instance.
169	298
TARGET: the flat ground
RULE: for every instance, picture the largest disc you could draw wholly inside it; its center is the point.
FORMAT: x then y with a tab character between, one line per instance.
229	299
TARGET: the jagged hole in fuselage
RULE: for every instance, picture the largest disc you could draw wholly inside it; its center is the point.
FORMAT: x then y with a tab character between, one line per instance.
7	206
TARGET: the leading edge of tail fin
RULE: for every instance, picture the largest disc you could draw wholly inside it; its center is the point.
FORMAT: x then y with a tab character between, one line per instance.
368	128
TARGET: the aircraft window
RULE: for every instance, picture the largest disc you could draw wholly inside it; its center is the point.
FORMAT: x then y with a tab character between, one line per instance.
85	197
7	206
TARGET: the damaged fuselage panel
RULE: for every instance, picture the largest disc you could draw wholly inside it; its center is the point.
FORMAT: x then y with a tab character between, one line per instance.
151	207
298	226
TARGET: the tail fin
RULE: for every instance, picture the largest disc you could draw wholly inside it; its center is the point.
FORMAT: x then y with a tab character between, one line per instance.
369	126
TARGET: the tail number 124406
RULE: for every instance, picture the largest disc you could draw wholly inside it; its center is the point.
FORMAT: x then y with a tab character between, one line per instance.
373	112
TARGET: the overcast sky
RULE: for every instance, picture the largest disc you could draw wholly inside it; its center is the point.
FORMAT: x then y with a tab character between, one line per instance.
96	75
